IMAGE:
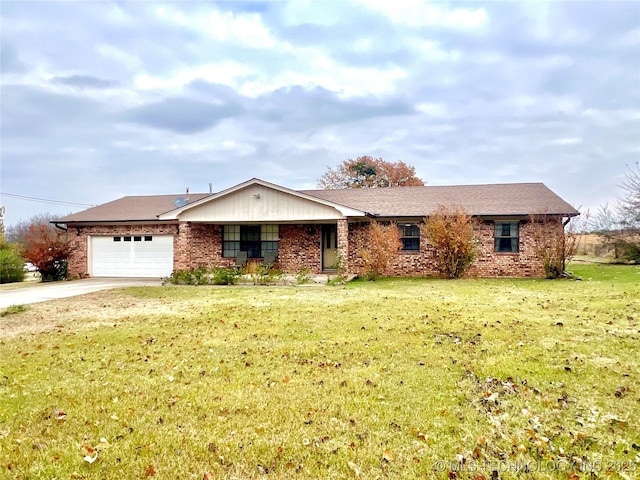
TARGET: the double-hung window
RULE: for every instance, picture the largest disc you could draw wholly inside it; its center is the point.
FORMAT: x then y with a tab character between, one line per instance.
506	237
410	237
253	239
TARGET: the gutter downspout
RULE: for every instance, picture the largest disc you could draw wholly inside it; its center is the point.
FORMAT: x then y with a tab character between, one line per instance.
57	225
564	245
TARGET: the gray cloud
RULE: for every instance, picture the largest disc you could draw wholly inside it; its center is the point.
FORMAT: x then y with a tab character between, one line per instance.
181	115
84	82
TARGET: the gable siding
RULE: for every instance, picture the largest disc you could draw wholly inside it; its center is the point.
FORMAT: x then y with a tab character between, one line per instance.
259	204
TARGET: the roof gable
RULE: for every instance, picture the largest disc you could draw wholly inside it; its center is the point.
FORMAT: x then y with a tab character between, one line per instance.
257	200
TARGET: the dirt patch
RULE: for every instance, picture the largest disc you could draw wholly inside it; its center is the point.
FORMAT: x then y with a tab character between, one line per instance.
78	313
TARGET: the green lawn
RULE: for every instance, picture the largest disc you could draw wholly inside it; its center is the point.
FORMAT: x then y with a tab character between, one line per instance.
400	378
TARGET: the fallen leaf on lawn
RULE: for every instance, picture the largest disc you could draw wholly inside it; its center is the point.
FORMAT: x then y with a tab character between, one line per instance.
355	468
59	415
149	470
87	450
90	459
387	455
103	443
207	476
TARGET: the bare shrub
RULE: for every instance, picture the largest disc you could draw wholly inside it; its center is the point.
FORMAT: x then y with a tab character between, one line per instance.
382	245
554	242
450	230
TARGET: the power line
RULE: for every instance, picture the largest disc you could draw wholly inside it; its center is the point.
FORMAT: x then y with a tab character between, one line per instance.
44	200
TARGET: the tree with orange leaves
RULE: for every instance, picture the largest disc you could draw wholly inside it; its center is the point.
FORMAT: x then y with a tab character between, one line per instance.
369	172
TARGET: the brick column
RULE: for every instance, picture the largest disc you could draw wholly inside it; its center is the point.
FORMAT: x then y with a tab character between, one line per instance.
343	243
181	244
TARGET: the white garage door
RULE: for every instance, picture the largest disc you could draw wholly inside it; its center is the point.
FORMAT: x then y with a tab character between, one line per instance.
132	256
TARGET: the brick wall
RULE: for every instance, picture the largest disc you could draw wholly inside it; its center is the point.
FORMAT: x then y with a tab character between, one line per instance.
300	246
487	263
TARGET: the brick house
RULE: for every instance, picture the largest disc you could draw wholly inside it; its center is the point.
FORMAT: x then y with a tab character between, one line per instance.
150	236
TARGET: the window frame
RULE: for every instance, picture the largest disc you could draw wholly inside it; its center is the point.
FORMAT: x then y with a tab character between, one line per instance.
255	239
500	238
409	237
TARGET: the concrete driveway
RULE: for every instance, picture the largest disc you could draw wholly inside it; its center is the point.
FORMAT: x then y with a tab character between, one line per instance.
42	292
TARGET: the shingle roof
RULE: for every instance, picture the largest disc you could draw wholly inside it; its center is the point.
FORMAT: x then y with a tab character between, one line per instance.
481	200
493	199
131	208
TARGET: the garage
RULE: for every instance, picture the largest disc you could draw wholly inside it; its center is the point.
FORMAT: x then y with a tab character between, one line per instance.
131	256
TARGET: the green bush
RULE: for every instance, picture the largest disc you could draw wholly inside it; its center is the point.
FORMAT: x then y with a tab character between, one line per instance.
203	276
11	264
266	275
225	276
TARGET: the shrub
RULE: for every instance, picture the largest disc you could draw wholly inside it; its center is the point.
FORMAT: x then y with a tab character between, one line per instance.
11	263
451	233
553	245
303	275
202	276
47	248
225	276
266	275
381	248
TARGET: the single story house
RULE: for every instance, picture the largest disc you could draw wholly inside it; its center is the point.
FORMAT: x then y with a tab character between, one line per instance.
150	236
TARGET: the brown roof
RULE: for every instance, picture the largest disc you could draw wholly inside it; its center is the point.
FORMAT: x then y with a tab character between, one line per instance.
131	209
485	200
482	200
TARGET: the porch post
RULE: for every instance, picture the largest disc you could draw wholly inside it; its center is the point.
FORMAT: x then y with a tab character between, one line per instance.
343	244
181	243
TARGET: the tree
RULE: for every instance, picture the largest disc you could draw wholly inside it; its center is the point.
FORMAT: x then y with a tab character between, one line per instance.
382	244
11	263
620	226
42	244
450	231
629	205
369	172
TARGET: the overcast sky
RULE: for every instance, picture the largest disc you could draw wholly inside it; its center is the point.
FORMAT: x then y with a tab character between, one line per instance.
105	99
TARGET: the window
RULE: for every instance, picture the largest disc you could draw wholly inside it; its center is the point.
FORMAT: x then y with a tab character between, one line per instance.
116	239
127	239
506	237
410	237
148	238
137	239
256	240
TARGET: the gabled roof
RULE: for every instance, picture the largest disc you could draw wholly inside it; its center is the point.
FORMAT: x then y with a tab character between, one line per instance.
345	210
482	200
131	209
509	199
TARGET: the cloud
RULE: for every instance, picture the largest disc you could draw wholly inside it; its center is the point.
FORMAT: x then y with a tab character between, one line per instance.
181	114
84	82
181	93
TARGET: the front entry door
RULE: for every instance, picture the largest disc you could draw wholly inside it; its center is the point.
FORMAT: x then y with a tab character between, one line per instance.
329	247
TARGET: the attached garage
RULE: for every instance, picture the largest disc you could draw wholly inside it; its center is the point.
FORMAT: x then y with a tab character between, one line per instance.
131	256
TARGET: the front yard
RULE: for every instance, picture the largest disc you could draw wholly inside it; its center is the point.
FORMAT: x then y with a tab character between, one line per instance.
401	378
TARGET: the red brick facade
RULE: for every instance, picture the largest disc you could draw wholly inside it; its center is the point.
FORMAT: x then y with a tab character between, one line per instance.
300	246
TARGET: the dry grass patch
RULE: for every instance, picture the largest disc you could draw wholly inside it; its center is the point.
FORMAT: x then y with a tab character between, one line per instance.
392	379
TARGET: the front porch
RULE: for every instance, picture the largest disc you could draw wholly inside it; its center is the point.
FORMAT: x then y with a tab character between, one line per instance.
320	247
